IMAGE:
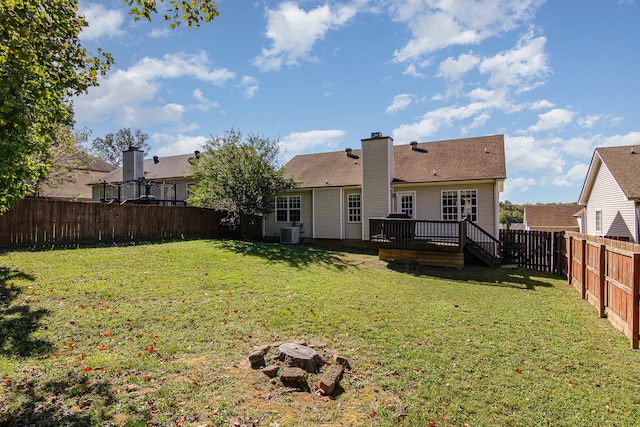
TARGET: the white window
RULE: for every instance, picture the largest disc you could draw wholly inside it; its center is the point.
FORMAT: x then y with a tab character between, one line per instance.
406	203
288	208
460	204
355	209
599	221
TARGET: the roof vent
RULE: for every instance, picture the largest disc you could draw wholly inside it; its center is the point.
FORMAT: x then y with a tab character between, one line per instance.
348	150
197	153
376	135
156	160
414	145
434	172
486	150
633	151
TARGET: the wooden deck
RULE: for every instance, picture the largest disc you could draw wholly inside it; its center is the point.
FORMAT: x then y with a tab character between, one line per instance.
432	242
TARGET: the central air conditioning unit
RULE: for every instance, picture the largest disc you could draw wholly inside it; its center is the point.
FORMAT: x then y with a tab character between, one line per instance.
290	235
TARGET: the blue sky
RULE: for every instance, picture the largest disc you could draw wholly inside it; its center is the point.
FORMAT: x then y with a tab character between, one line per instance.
557	78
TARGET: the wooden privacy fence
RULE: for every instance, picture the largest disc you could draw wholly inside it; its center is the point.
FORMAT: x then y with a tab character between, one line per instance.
607	274
43	222
535	250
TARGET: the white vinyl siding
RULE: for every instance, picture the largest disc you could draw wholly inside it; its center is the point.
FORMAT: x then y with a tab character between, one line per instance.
618	213
428	202
377	174
272	228
327	214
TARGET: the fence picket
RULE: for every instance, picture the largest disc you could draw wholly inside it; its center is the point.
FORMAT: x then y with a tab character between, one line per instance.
43	222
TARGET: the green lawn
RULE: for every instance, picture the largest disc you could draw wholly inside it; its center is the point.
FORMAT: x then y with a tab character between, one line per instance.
159	334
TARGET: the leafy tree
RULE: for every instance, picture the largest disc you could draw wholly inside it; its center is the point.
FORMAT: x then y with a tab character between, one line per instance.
189	11
42	66
110	147
240	177
64	158
510	213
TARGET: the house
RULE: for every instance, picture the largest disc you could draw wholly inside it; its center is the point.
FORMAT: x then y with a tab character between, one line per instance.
87	169
552	217
339	193
611	194
159	180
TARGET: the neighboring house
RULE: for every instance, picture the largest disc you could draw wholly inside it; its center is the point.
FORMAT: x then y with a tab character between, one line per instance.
339	192
159	180
552	217
611	194
90	170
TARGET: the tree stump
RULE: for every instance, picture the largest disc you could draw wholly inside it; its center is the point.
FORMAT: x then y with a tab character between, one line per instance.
300	356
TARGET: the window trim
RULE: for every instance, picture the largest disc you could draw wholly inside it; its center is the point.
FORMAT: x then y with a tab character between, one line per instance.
459	207
288	208
598	221
414	206
354	208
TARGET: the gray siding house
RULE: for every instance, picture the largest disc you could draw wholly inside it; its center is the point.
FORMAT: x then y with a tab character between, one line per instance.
611	194
340	191
159	180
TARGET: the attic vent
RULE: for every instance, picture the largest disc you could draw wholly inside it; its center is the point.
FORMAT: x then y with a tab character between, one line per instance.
348	150
156	160
633	151
376	135
197	153
414	145
486	150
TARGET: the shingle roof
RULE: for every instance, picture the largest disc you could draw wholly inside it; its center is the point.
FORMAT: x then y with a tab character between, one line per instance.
452	160
556	216
624	165
167	168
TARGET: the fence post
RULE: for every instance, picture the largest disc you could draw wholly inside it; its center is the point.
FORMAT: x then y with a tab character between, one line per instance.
570	260
602	279
583	267
635	317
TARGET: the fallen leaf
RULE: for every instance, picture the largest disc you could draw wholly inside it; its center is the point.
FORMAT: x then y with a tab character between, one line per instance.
518	371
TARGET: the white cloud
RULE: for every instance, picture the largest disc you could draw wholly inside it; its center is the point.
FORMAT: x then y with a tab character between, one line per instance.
173	145
161	32
412	71
631	138
314	140
543	104
249	85
204	104
574	176
126	94
143	117
438	119
399	103
437	24
454	69
519	66
102	22
589	121
526	153
556	118
293	32
516	186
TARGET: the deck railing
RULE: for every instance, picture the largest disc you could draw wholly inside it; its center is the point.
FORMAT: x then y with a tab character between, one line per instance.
417	234
438	235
